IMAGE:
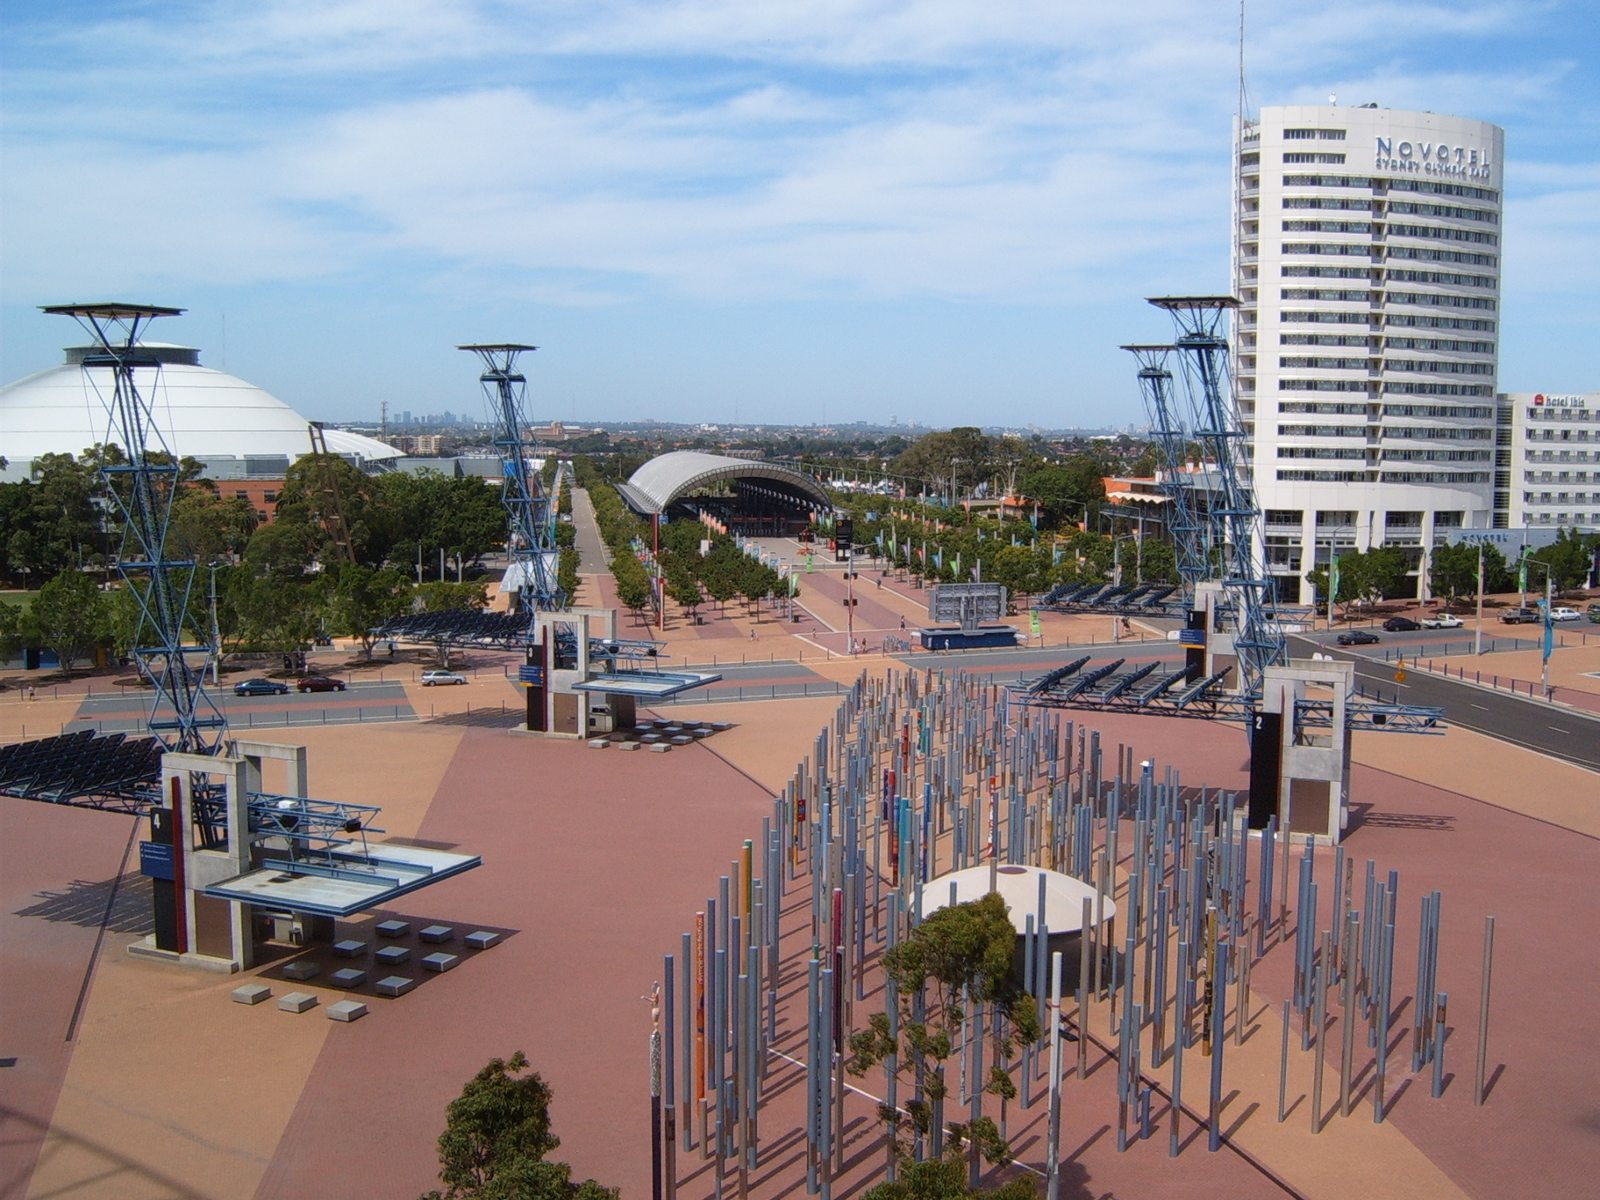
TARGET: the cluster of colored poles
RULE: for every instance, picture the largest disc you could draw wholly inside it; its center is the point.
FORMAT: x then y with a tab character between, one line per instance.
922	774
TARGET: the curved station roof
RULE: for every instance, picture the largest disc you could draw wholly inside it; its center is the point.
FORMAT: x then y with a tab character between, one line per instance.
654	487
200	412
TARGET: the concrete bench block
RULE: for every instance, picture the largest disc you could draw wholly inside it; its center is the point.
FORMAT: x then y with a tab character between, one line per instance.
436	933
681	739
301	968
251	993
350	948
661	747
481	939
439	962
700	734
297	1002
627	745
599	743
392	929
392	956
650	739
394	985
350	977
347	1010
721	726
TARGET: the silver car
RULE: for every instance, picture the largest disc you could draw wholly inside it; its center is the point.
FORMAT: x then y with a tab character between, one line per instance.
429	678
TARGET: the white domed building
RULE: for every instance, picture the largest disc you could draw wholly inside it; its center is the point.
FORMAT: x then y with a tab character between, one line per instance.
239	431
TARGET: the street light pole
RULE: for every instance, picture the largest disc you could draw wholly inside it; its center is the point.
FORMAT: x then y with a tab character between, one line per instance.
1477	645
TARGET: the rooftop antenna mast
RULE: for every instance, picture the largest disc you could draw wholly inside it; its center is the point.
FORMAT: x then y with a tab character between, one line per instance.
1201	322
142	488
1172	440
530	517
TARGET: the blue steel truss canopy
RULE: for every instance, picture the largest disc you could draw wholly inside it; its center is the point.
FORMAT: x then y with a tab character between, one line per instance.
667	478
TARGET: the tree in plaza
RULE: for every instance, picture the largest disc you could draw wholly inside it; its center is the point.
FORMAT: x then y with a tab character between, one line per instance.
686	592
207	526
963	954
721	579
633	585
946	1179
67	617
1453	571
1570	558
52	521
364	598
497	1134
440	595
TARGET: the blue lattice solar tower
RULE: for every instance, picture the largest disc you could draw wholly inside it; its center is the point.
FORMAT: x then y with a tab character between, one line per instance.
1202	339
531	531
142	490
1188	532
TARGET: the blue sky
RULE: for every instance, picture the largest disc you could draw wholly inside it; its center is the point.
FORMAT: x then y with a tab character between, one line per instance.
716	209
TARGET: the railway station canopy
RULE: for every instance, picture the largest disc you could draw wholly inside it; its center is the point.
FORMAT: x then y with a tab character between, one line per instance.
669	478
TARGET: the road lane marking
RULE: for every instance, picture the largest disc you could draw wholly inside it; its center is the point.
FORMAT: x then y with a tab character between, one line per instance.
1558	729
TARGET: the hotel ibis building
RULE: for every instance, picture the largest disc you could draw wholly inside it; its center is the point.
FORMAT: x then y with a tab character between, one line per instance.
1367	253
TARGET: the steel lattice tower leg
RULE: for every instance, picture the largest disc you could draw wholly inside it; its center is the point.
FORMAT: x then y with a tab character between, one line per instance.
142	489
1200	322
530	517
1188	532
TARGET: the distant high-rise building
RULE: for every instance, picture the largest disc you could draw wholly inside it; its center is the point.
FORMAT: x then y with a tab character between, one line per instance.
1367	257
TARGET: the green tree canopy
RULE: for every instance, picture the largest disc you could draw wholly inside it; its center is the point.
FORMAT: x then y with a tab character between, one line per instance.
497	1133
964	452
67	616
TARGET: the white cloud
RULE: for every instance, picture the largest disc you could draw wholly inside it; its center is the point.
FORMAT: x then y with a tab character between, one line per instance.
1023	152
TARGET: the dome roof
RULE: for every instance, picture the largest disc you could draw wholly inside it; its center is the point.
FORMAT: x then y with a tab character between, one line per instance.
200	412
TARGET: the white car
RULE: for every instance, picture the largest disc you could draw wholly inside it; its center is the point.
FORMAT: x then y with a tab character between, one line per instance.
1443	621
429	678
1565	614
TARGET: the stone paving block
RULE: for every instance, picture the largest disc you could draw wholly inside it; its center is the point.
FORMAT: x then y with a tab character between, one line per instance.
436	933
703	733
680	739
350	948
650	739
661	747
393	929
599	743
627	745
481	939
347	1010
721	726
391	956
394	985
350	977
297	1002
439	962
251	993
301	968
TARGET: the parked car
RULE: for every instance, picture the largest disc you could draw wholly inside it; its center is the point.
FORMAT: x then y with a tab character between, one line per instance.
1519	616
1357	637
1565	614
260	687
1401	625
1443	621
1594	609
430	678
319	683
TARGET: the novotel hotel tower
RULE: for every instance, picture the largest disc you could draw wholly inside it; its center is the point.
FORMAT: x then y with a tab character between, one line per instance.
1367	258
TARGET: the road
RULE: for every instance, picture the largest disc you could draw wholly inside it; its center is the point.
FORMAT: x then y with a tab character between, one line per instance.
1549	729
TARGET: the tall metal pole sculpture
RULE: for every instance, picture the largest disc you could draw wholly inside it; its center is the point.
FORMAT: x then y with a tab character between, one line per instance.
1200	321
531	534
142	489
1189	542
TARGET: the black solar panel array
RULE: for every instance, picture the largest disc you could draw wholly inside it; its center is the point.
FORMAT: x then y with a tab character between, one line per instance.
97	770
461	626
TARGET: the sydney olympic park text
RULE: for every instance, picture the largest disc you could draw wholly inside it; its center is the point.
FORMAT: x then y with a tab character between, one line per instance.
1432	158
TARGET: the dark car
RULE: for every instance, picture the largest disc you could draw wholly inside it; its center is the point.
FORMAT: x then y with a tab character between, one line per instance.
260	687
1357	637
319	683
1401	625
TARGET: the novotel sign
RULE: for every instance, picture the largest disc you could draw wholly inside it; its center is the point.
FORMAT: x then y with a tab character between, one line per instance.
1432	158
1562	401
